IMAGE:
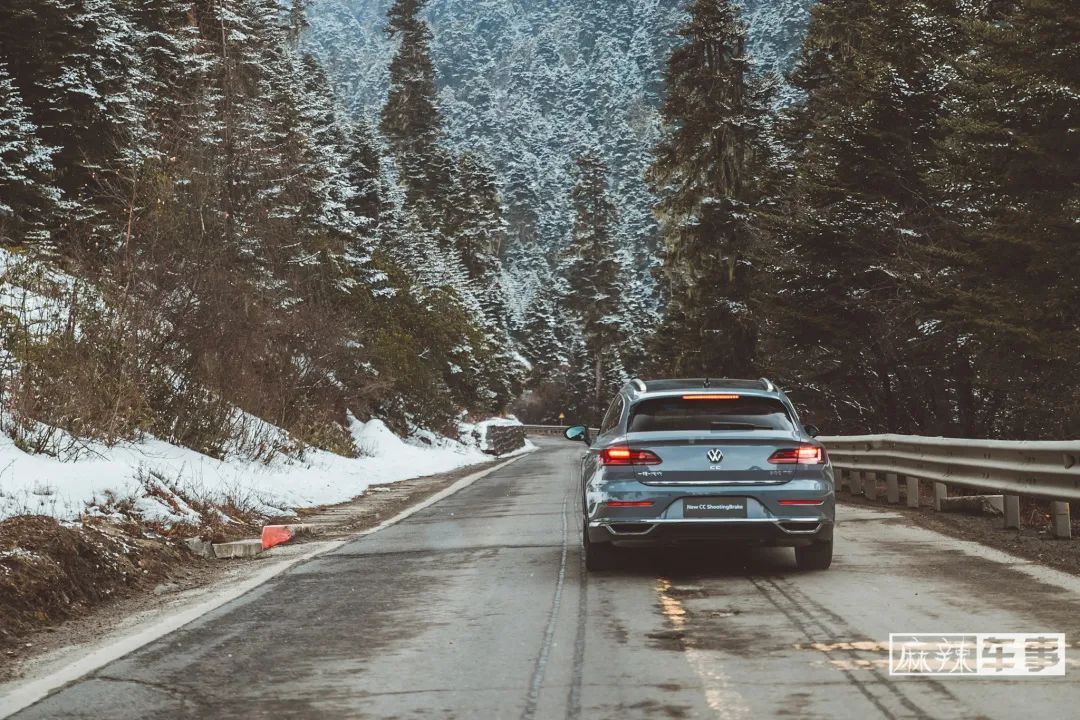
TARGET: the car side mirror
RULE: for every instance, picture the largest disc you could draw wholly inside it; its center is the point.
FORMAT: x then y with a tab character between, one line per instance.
812	430
577	432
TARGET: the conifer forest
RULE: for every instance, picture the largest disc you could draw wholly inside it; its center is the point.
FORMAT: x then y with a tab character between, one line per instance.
422	210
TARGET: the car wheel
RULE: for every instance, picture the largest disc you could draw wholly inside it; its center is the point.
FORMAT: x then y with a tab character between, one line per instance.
814	557
599	556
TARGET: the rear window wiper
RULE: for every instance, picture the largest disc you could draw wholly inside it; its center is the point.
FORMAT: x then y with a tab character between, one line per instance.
737	426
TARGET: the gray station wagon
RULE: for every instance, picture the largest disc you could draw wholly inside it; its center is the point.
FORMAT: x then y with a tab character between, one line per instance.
681	462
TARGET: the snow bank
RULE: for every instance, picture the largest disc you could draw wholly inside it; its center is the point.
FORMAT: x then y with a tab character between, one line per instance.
38	484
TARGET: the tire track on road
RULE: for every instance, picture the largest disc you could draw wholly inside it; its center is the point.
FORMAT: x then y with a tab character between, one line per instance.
573	700
800	599
537	681
800	609
793	614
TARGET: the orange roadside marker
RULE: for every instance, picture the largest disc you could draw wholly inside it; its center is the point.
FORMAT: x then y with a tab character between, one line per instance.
276	535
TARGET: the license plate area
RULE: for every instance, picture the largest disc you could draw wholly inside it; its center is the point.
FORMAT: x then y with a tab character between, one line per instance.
714	508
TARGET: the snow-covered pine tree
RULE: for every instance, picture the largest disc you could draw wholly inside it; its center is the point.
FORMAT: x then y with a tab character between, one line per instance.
363	164
29	202
577	399
479	234
1009	178
710	175
329	173
173	65
410	121
450	215
639	312
541	344
476	226
407	238
591	272
268	259
863	227
76	66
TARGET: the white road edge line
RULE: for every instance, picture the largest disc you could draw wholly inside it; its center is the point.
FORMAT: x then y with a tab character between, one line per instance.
37	690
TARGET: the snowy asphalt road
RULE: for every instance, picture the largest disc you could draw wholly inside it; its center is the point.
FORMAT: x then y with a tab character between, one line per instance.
478	607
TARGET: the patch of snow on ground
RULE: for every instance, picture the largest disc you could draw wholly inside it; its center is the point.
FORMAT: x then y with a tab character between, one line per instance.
38	484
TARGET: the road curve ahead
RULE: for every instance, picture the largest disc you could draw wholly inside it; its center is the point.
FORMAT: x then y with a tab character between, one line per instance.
478	607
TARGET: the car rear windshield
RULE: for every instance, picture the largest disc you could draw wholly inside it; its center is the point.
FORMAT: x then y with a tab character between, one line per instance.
676	414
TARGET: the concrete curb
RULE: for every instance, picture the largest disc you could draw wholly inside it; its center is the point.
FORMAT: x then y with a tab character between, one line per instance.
238	549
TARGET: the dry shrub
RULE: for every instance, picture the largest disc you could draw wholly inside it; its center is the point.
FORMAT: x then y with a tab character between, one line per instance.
87	384
222	515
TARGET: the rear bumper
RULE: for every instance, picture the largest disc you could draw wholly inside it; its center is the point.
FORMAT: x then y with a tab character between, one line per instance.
662	531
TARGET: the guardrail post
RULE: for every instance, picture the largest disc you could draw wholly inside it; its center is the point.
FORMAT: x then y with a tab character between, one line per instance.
869	480
912	492
1062	521
892	488
1012	511
855	481
940	493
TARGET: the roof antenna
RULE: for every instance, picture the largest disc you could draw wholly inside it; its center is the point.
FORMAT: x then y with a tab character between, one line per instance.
707	384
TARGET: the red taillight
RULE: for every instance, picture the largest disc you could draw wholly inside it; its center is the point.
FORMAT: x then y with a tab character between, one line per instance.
802	502
715	396
627	503
802	455
628	456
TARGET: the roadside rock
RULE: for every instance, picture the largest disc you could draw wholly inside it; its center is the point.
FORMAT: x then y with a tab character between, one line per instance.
202	548
504	439
974	504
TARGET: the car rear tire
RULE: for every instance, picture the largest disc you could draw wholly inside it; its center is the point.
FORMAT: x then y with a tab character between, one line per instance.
599	556
814	557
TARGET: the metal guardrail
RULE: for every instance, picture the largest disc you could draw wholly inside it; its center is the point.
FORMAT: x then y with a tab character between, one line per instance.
551	430
1047	470
544	429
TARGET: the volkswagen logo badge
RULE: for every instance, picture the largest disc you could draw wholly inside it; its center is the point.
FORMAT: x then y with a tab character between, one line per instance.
715	455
